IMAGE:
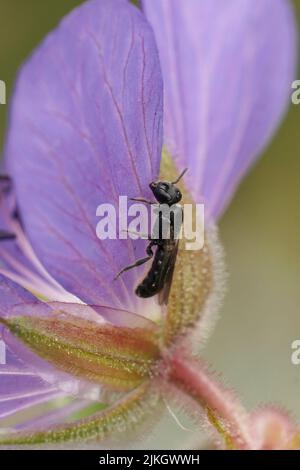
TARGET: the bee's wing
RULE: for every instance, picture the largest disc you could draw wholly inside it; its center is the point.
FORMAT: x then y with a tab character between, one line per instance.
163	295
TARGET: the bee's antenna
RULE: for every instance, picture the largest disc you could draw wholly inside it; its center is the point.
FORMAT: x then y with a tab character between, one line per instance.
180	176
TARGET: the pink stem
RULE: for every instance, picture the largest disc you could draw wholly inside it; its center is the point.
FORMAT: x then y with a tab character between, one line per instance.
224	412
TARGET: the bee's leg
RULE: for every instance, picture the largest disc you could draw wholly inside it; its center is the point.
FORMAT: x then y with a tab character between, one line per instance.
143	236
141	199
4	235
139	262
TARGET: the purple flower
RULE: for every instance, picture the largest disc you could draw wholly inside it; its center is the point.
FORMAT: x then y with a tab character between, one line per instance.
86	126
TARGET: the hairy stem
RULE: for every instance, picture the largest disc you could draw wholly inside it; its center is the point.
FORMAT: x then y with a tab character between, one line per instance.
124	416
228	418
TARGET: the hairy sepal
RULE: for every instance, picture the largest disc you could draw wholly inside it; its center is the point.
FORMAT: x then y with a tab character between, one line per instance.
122	417
119	358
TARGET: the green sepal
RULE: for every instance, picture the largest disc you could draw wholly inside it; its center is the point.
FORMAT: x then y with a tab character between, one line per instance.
117	357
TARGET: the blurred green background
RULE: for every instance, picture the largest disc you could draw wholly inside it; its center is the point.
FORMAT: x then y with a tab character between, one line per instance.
251	344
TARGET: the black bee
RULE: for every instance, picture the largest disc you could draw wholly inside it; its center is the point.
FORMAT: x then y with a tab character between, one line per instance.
160	274
5	181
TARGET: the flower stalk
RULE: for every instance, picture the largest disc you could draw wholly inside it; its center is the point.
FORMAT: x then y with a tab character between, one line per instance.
223	412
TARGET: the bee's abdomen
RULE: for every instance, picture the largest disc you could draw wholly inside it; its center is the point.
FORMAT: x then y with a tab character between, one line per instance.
154	281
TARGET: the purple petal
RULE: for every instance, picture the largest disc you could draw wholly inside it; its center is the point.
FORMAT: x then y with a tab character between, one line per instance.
86	127
14	300
21	387
13	403
103	314
227	68
19	263
11	295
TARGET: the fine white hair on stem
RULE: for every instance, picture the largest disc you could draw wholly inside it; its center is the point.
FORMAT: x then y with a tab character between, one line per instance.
176	419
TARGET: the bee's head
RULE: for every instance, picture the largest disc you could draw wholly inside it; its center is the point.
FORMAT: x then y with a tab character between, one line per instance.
165	193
